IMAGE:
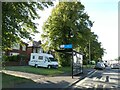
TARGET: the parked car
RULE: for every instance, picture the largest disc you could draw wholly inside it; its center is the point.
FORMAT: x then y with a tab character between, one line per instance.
106	65
115	66
100	65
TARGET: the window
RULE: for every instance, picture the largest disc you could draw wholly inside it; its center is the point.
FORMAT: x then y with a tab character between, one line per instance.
16	46
40	57
13	53
34	50
33	57
52	59
47	59
24	47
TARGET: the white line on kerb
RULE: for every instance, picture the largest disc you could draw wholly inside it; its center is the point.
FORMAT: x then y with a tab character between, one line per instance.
90	72
85	79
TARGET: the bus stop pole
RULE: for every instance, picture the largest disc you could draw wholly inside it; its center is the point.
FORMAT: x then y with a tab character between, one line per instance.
72	63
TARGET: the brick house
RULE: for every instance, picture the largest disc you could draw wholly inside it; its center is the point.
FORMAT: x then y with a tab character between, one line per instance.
34	48
24	49
18	49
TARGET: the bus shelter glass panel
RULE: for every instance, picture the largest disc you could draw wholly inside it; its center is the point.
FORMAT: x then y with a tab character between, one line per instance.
77	63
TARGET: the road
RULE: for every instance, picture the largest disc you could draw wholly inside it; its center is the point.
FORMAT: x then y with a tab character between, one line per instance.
108	78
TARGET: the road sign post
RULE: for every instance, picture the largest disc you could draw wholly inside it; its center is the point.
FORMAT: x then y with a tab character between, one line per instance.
68	46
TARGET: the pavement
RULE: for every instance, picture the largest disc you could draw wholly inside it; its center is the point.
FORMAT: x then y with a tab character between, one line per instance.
42	81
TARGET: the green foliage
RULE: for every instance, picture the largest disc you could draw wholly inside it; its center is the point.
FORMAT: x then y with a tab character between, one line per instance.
10	58
85	62
67	24
17	21
41	71
93	62
88	66
66	19
64	59
23	57
14	58
119	58
5	58
8	81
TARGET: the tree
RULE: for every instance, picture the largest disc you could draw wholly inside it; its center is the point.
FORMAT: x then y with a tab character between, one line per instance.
67	24
96	50
17	21
66	19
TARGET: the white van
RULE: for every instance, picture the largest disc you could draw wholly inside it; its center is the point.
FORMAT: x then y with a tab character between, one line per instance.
43	60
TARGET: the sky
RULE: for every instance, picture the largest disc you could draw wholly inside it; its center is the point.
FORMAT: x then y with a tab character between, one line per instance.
104	13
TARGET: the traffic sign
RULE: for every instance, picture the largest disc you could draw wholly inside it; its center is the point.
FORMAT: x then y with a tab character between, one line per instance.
66	46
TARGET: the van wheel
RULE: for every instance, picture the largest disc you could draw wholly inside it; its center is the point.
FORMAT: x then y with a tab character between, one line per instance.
49	66
36	65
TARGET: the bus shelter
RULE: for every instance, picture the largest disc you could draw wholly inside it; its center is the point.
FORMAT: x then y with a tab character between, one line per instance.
76	61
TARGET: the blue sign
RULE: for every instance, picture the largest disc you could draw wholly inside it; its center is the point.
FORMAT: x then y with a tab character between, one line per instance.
66	46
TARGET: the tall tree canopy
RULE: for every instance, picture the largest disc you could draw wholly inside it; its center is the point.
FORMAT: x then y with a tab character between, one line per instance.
17	21
66	19
69	23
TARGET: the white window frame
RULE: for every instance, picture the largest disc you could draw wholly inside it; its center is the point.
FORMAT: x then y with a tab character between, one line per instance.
24	47
16	46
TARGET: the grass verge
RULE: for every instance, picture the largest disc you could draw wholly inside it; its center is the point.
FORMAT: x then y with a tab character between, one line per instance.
88	66
9	81
41	71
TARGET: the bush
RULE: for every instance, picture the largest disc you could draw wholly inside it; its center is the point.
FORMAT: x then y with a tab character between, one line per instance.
85	62
5	58
63	59
23	57
14	58
93	62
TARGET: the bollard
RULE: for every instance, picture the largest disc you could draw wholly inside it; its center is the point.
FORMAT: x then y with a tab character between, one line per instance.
107	79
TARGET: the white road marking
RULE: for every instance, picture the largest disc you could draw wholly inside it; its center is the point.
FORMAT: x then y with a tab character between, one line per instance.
94	78
90	72
102	79
79	83
95	82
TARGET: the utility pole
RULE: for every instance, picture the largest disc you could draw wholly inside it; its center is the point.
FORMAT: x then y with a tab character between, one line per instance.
89	52
90	45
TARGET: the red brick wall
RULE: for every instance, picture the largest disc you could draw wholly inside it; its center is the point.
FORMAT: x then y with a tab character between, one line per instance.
29	51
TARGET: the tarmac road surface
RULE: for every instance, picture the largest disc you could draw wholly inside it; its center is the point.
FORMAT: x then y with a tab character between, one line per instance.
108	78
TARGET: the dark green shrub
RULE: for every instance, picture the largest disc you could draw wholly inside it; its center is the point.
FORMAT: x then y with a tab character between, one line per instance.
93	62
85	62
64	59
5	58
21	56
13	58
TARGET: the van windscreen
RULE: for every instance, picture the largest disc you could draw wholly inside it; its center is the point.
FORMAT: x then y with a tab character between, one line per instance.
52	59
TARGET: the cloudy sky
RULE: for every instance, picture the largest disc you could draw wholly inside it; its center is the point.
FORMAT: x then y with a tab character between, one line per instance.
104	13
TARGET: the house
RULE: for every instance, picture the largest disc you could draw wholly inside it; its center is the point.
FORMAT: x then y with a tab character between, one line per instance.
24	49
18	53
18	49
34	47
